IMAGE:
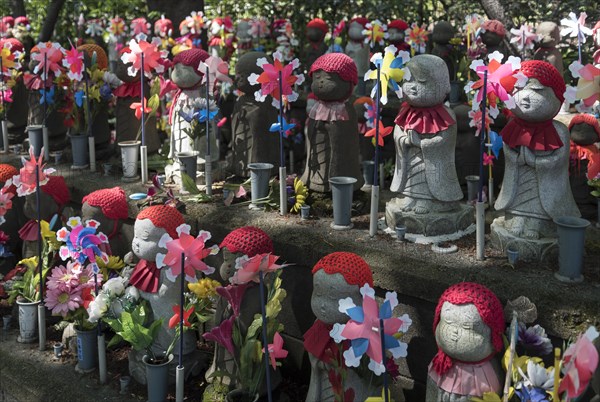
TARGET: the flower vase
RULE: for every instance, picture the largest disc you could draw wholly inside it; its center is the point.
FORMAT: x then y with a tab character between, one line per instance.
188	162
130	154
368	170
260	173
472	187
87	350
28	319
4	136
157	378
240	395
571	239
80	151
341	191
36	138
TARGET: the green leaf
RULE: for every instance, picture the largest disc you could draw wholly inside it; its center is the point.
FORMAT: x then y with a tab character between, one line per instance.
115	340
253	328
154	103
189	184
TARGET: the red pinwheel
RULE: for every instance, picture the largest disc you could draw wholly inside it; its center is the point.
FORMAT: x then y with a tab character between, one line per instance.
217	71
153	57
25	181
49	56
269	79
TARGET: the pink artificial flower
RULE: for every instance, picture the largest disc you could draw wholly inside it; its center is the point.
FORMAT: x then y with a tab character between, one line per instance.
49	56
193	250
218	70
137	106
223	335
488	159
579	363
62	299
276	350
166	87
73	61
153	57
234	295
5	201
25	180
62	277
383	132
4	237
85	277
248	269
475	121
339	28
174	321
6	95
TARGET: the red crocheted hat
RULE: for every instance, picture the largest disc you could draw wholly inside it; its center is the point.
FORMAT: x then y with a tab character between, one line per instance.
112	201
249	241
163	216
22	20
582	118
319	24
361	20
400	25
15	44
56	187
352	267
337	63
191	58
101	58
547	75
488	306
8	21
494	26
7	172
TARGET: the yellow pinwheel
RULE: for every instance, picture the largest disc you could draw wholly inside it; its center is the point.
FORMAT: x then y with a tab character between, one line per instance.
392	71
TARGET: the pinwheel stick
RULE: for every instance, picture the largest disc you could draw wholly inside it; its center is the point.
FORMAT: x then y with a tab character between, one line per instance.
479	207
282	171
45	79
101	344
375	187
263	311
41	308
384	361
142	100
2	76
208	159
181	302
88	117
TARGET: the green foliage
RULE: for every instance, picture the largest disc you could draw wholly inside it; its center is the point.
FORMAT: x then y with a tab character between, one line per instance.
28	286
131	327
595	185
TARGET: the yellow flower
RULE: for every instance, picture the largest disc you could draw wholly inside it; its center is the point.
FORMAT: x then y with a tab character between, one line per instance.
49	237
204	288
301	195
489	397
74	221
30	263
115	263
380	398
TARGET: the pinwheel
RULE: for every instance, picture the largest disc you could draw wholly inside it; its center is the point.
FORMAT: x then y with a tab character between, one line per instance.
281	125
574	27
205	115
192	249
25	181
383	132
248	269
94	27
139	26
495	143
276	350
49	55
74	63
47	96
82	243
375	33
417	37
193	23
259	28
363	329
579	363
269	79
524	37
588	85
6	94
216	70
393	70
501	79
116	26
153	58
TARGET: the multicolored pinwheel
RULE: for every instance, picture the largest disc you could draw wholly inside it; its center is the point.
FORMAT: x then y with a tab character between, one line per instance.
82	243
217	71
49	56
363	329
393	70
269	79
375	32
588	86
193	24
524	37
417	37
192	248
116	26
153	57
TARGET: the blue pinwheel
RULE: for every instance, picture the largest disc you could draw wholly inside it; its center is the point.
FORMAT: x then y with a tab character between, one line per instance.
204	114
392	71
82	242
47	96
285	127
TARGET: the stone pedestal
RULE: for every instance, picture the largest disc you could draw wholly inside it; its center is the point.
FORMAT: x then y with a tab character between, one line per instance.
453	223
542	249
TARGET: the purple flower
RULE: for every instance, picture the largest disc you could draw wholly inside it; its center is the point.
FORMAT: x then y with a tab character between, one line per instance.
532	395
223	334
105	92
233	294
534	340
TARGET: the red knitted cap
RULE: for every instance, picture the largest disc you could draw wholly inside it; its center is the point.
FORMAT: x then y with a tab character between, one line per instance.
547	75
101	58
494	26
56	187
486	302
352	267
112	201
22	20
249	241
7	172
8	20
361	20
15	44
163	216
582	118
319	24
191	57
400	25
337	63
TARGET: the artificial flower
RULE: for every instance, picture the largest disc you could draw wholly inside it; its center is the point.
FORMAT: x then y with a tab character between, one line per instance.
488	159
26	180
339	29
205	288
301	194
217	71
524	37
5	201
49	55
8	60
137	106
6	95
222	335
63	299
534	340
166	86
276	350
363	329
269	79
375	32
234	295
487	397
248	269
579	363
149	52
188	251
383	132
174	321
392	71
574	27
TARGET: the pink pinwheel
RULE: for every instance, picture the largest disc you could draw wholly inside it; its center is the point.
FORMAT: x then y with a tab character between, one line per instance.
383	132
475	116
269	79
137	106
248	269
82	243
579	363
193	250
276	350
49	55
375	32
488	160
153	57
501	79
73	61
217	71
524	37
363	329
259	28
588	86
5	200
574	27
25	181
139	26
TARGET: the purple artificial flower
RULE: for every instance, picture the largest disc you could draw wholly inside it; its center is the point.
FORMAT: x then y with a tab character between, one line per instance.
534	340
233	294
223	334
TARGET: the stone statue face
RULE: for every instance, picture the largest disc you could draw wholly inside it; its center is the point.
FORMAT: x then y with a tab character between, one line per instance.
583	134
491	38
245	66
355	31
429	83
90	212
327	291
227	268
462	334
121	72
184	76
243	33
549	32
315	35
395	35
145	240
443	31
47	206
329	86
536	102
